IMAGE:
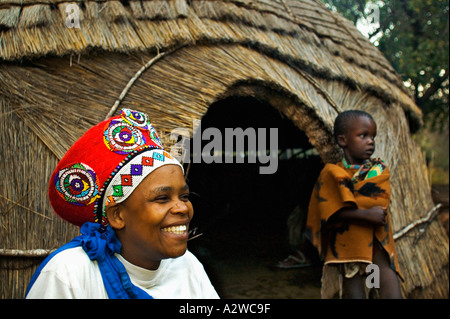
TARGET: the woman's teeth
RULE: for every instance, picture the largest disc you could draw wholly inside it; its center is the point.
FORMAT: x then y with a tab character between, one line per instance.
179	230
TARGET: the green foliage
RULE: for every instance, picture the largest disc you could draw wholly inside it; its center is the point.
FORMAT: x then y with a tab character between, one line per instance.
351	9
414	37
417	46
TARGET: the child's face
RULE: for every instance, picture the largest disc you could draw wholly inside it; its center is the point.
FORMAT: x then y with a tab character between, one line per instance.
156	218
358	142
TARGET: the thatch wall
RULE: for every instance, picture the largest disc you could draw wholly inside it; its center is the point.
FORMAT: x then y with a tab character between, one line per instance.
299	57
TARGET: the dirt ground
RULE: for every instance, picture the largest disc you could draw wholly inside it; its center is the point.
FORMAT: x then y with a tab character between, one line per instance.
241	264
240	259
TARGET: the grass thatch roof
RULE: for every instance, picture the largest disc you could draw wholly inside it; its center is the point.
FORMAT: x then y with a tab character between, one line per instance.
306	61
324	42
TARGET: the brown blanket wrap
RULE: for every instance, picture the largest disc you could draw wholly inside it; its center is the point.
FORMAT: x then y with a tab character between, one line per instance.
349	241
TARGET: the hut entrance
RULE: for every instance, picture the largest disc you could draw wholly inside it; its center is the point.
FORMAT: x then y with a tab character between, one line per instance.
243	213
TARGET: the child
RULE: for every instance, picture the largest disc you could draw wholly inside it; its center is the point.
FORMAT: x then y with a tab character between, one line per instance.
348	217
132	202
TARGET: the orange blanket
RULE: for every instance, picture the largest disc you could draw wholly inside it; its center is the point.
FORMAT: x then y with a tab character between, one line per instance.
349	241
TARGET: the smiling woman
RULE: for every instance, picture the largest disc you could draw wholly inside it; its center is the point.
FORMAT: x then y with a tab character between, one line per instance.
152	224
132	202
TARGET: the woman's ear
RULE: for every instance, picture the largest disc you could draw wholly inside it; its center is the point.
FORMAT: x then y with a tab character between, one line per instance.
114	214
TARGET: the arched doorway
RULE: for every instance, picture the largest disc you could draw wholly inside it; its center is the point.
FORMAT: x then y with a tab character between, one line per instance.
242	213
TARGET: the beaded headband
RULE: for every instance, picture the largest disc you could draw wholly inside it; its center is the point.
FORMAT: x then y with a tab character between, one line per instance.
131	172
104	166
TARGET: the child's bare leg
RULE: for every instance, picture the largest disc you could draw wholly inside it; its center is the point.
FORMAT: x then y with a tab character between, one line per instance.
389	285
353	288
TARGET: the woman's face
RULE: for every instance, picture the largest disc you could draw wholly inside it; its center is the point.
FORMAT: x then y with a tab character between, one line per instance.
155	218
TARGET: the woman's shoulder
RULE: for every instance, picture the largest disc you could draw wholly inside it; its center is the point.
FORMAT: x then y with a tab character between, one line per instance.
69	259
68	274
74	253
185	263
188	258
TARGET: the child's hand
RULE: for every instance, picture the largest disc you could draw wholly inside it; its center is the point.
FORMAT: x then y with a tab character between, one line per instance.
376	215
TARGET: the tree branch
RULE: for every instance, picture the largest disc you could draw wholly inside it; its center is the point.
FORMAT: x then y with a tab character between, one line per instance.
26	252
426	219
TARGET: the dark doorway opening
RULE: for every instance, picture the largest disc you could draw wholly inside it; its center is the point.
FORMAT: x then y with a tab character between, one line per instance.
241	213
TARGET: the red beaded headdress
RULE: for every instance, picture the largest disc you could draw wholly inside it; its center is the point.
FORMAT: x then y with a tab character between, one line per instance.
105	165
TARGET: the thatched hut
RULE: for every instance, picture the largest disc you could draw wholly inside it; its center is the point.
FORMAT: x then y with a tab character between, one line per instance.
174	59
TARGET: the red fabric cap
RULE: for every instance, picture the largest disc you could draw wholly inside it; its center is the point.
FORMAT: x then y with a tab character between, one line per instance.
83	173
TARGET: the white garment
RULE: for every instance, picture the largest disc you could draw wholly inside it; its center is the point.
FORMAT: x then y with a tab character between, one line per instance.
72	275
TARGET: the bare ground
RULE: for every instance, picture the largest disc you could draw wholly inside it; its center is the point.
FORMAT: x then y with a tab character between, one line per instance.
241	265
240	259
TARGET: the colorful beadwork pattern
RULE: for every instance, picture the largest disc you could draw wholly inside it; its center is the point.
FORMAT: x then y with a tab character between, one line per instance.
77	184
154	136
122	138
141	120
131	175
131	172
136	118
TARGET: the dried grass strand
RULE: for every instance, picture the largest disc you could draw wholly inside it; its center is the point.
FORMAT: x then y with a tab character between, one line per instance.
130	83
24	207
